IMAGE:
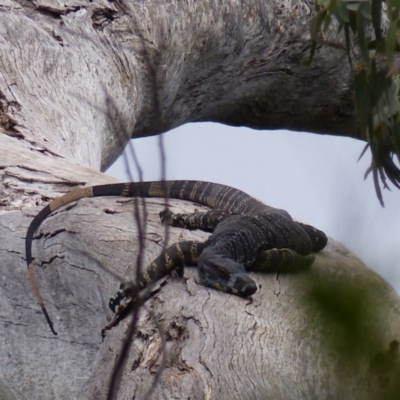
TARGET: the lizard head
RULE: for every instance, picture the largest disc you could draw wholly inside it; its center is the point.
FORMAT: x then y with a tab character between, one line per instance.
222	273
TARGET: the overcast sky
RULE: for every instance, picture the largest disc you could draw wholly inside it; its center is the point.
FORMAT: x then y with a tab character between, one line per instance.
316	178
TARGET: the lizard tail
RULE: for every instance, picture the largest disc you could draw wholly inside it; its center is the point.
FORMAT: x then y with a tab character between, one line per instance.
39	297
43	214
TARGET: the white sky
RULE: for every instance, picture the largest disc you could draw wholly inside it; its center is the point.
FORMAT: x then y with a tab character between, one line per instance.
315	178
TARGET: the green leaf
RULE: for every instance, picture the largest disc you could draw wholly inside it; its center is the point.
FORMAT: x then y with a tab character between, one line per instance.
362	100
393	10
353	22
348	45
315	24
365	9
312	52
342	13
379	84
353	6
376	15
391	36
361	38
324	3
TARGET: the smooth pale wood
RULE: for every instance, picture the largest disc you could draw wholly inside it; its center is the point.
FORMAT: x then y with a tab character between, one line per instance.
63	65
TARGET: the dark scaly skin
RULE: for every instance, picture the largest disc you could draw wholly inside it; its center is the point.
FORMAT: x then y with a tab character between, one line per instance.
247	235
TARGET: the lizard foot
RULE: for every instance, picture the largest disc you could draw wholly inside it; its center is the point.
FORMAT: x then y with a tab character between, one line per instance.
169	218
126	299
115	300
125	307
126	289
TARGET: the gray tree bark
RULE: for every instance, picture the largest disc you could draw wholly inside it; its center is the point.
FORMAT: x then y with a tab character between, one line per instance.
78	79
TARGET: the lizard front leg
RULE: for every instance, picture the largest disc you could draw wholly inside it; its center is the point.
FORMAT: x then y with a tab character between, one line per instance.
178	254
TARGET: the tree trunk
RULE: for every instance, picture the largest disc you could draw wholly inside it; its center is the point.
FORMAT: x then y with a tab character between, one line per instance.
78	79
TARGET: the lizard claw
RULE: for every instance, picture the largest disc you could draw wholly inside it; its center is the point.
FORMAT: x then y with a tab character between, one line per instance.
169	218
123	310
115	300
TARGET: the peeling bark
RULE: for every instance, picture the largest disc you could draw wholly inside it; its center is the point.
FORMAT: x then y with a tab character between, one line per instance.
78	79
162	65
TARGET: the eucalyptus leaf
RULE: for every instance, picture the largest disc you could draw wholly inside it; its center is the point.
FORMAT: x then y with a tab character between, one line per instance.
365	9
342	13
361	38
354	6
362	100
391	36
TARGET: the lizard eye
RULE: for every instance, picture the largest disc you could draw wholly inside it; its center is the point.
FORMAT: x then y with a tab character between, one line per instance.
223	273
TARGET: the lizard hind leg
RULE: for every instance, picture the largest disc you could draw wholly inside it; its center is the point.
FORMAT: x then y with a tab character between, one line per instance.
205	221
318	238
281	260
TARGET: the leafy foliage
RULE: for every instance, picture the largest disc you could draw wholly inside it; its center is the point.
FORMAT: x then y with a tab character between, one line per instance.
371	46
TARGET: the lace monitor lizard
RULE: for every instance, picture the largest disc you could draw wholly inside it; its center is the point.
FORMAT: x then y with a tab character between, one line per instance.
247	235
